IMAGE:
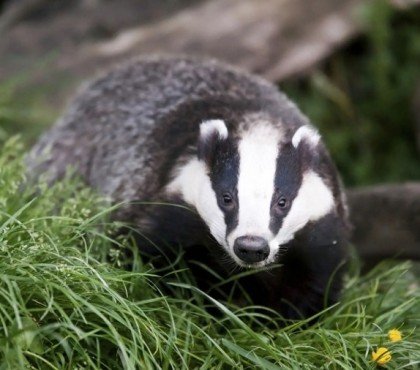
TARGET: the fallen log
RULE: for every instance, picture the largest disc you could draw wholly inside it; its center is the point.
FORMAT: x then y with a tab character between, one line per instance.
386	221
275	38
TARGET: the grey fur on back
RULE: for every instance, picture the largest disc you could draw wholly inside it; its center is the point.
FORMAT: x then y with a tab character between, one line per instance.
112	131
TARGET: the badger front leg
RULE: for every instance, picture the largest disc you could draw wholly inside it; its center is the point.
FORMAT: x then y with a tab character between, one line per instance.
308	289
313	268
310	276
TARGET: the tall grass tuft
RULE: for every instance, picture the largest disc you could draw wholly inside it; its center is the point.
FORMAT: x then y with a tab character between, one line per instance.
63	305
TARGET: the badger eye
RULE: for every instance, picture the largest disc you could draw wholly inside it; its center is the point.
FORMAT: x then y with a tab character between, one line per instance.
282	202
227	199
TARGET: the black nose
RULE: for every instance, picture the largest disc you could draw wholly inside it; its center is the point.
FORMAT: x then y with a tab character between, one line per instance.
251	249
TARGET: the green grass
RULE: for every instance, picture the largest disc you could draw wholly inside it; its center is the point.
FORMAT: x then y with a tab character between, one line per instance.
66	304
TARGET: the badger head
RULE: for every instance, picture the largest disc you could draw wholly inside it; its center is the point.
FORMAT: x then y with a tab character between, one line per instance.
255	189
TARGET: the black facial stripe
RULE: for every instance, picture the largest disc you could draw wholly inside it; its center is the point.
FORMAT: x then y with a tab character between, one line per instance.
287	181
205	148
224	178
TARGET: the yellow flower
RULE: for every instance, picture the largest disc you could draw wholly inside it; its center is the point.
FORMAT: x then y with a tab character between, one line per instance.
394	335
381	356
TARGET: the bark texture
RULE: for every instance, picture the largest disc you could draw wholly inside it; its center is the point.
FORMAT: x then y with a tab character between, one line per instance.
275	38
386	220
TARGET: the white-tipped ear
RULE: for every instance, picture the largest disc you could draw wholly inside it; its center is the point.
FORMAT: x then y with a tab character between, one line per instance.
307	134
212	134
211	127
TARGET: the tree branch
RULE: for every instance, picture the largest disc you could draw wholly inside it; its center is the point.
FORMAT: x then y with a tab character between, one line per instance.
386	220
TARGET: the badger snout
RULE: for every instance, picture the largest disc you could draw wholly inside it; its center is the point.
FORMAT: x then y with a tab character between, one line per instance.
251	249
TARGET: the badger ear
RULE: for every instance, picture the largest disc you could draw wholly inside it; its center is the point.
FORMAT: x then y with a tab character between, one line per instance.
306	134
212	134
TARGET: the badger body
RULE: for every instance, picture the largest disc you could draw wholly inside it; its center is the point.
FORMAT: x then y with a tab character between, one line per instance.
218	161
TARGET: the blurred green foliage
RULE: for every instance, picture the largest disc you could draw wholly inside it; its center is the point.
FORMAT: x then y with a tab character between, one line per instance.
26	113
362	99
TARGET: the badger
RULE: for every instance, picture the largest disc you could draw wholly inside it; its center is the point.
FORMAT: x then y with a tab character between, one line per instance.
218	161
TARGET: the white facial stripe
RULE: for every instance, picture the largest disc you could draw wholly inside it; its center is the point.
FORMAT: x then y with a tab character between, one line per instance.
193	183
313	201
258	151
